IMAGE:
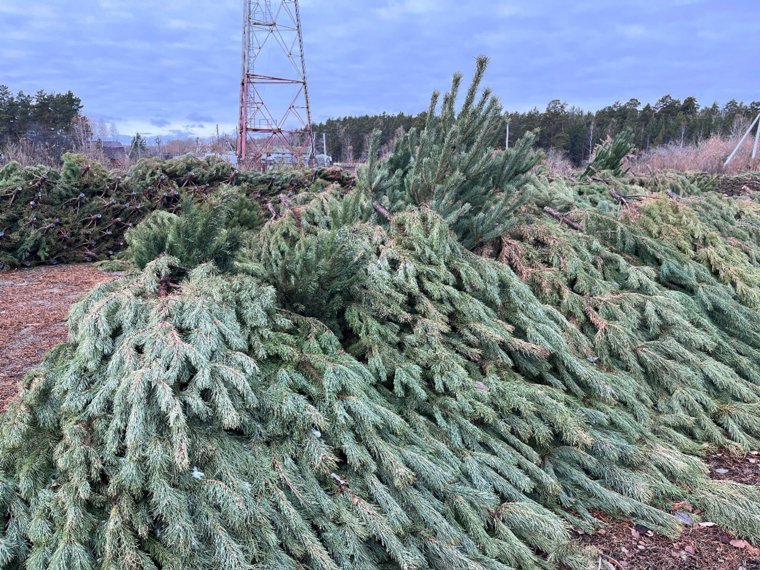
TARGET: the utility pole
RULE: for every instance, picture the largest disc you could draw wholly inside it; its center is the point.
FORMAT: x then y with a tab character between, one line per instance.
275	117
506	143
324	146
744	137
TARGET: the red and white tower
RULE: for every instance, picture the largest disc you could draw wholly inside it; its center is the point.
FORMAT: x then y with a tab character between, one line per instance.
274	129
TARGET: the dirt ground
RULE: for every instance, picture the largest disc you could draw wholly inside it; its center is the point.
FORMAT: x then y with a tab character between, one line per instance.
702	545
33	308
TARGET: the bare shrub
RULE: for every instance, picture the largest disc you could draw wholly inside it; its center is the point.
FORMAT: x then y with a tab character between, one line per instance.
557	163
707	156
27	153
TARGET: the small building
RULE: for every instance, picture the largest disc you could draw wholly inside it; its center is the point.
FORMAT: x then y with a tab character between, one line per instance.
113	151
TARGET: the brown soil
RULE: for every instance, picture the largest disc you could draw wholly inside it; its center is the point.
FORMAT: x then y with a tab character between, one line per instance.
623	544
742	469
702	544
33	308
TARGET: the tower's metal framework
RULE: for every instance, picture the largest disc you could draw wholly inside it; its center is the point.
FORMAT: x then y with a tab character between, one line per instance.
275	119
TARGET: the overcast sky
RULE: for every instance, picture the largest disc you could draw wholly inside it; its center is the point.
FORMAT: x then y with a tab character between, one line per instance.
173	66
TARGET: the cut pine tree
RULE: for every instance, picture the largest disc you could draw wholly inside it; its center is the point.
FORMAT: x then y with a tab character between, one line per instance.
428	371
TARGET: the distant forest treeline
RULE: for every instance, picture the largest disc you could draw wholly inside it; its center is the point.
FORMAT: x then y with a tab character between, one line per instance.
569	130
52	120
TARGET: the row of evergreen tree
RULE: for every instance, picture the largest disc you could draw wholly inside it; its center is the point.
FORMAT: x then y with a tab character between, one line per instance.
566	128
54	120
49	119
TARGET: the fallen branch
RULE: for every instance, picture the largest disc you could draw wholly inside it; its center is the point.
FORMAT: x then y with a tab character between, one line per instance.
600	179
13	197
563	218
625	199
285	200
382	210
39	181
612	562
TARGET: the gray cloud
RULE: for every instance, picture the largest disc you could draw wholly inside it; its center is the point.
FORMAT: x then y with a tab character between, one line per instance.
173	66
200	117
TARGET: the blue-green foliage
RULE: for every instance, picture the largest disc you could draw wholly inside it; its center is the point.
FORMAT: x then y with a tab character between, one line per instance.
427	372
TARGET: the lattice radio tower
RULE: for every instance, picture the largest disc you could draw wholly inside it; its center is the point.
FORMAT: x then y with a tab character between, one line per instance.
274	128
